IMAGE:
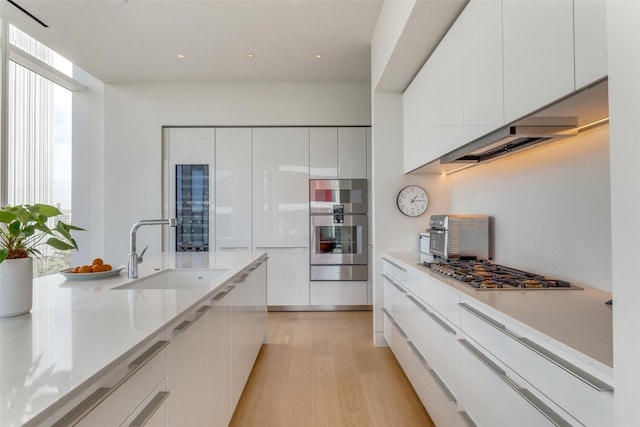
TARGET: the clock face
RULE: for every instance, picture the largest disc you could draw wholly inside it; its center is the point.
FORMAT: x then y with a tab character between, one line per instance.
413	200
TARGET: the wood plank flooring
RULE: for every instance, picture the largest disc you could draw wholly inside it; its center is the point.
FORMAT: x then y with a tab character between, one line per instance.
322	369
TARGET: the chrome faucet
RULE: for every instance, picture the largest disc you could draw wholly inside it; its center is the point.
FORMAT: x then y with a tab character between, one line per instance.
134	258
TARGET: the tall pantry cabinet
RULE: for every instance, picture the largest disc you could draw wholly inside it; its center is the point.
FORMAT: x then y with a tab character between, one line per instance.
281	211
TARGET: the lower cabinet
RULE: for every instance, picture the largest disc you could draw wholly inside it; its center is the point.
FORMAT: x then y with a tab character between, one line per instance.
213	350
130	394
469	368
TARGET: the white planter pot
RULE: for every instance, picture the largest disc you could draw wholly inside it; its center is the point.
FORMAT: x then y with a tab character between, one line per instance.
16	286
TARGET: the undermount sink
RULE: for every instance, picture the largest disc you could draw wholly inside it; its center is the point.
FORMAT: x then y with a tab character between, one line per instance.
175	279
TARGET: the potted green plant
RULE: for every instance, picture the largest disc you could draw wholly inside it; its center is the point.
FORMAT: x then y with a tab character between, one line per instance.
23	228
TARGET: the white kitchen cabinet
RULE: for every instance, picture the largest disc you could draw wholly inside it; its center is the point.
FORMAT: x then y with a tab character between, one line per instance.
352	153
446	97
237	299
233	189
188	146
493	395
281	210
125	391
338	293
590	20
538	54
338	153
323	153
414	134
219	360
186	369
281	187
582	395
482	78
288	276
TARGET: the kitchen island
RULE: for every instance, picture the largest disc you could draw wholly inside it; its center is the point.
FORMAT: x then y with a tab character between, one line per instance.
513	357
81	331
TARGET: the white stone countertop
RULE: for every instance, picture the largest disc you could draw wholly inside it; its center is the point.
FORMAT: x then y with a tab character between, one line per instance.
577	321
77	328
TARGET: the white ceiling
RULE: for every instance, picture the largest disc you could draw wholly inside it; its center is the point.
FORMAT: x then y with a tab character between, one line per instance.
139	40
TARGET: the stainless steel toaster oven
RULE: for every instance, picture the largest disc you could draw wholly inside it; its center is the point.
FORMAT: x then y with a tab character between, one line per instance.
459	236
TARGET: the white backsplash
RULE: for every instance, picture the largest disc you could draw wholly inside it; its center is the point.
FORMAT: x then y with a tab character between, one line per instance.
550	207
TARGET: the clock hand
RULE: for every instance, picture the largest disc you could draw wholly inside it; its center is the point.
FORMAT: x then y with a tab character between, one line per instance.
414	199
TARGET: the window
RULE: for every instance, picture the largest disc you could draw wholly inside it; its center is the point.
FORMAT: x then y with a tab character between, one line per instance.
38	152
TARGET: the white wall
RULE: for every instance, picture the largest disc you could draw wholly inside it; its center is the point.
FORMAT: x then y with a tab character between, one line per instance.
550	207
393	231
623	31
134	116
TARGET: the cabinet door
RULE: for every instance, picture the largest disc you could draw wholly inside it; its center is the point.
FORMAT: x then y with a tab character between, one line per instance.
288	276
219	360
189	146
492	397
446	63
413	141
237	299
538	54
186	367
482	68
233	189
590	20
352	153
323	153
281	187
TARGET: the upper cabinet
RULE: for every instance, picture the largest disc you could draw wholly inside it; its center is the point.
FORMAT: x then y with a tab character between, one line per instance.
338	152
538	54
499	62
482	79
280	187
233	189
590	20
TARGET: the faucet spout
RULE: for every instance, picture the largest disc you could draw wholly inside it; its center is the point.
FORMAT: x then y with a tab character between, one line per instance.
134	258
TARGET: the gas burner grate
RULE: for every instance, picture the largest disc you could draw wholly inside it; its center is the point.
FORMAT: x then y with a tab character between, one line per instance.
484	275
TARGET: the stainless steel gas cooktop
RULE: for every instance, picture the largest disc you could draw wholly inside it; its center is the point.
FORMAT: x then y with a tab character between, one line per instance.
484	275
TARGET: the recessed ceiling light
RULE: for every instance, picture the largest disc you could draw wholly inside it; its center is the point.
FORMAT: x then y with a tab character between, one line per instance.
318	56
251	56
182	56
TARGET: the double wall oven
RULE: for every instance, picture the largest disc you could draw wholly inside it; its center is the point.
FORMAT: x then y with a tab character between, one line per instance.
338	240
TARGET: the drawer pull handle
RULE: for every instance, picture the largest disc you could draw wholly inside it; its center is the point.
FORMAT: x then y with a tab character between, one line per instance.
523	392
448	329
467	419
234	247
443	386
394	283
150	409
418	354
402	332
388	314
568	367
94	399
220	295
183	326
583	376
396	265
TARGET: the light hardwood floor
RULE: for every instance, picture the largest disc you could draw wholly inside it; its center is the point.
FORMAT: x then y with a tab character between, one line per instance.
322	369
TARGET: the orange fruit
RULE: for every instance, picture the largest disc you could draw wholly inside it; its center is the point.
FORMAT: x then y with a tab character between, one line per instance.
97	261
96	268
106	267
76	269
85	269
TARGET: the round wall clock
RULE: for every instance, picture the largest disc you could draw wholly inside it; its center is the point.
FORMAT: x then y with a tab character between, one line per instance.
412	200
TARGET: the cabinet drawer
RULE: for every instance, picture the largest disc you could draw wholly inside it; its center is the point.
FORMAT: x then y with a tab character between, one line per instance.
436	339
125	390
491	396
441	297
435	397
584	396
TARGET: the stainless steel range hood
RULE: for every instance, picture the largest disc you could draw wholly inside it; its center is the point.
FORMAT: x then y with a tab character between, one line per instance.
566	117
511	138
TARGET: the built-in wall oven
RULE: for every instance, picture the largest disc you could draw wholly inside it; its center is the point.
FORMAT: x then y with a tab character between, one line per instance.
338	228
